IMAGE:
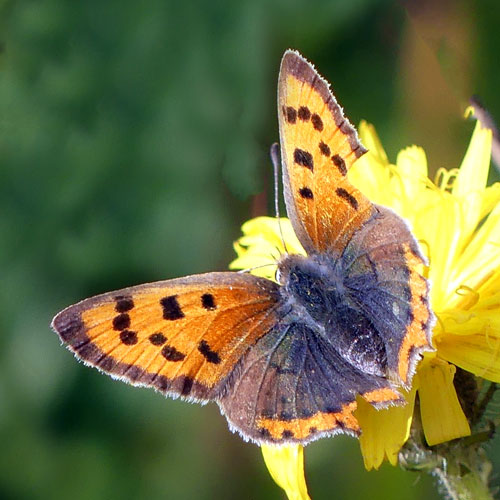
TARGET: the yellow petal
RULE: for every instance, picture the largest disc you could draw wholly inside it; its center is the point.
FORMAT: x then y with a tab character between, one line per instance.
442	415
473	172
384	431
478	354
412	166
286	466
371	141
371	173
438	224
472	177
482	255
407	187
491	197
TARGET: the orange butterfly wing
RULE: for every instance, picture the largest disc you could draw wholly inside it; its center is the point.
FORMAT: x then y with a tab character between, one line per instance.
318	146
182	336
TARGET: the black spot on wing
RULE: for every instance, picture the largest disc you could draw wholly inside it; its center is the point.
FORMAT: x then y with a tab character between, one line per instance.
317	122
157	338
304	113
286	434
171	308
342	193
263	432
170	353
208	302
208	354
290	114
128	337
305	192
304	158
121	322
324	148
123	303
339	162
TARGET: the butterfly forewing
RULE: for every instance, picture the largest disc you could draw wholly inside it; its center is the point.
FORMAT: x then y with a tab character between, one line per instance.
318	146
182	336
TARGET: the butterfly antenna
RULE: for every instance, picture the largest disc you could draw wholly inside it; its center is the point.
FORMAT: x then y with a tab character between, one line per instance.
275	158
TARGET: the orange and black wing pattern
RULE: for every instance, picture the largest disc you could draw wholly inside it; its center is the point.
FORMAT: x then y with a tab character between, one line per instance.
318	146
182	336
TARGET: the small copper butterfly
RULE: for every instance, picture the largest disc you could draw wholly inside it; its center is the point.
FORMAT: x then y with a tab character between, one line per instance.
284	361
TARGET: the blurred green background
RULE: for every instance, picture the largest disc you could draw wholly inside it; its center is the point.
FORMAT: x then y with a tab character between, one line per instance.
134	142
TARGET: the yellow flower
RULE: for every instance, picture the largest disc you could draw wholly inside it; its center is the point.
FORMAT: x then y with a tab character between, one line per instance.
456	219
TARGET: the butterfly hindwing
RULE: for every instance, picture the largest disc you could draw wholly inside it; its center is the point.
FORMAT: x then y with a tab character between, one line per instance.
381	275
294	386
182	336
318	146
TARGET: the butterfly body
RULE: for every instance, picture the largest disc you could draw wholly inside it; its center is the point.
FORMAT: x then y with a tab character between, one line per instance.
318	294
285	361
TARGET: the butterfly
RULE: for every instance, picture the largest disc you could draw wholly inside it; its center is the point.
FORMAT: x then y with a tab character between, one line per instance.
286	360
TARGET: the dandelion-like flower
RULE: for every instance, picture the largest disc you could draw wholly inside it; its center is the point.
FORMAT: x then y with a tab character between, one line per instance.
456	219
